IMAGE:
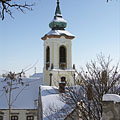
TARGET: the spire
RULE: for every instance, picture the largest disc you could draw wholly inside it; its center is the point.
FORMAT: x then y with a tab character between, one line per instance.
58	23
58	12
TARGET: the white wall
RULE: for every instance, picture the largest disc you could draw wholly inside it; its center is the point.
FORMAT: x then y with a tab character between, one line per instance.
22	114
54	44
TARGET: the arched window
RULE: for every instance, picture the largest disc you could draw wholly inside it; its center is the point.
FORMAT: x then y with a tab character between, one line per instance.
62	54
63	79
47	57
62	57
62	85
47	54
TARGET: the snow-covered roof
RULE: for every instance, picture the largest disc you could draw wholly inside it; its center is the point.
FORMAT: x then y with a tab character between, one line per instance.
59	19
27	94
67	70
111	97
58	33
37	75
52	104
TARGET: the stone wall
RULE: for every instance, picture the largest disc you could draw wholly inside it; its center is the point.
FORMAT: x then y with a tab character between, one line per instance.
111	110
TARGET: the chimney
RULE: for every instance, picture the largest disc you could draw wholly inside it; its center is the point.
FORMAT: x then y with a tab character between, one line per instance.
74	66
40	107
62	87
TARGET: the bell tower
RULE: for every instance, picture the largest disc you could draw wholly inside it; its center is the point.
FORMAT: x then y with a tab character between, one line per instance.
58	52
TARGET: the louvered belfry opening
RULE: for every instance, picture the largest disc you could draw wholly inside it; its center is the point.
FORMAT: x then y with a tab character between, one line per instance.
62	57
47	57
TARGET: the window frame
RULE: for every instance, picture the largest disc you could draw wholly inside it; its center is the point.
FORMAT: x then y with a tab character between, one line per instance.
13	117
27	117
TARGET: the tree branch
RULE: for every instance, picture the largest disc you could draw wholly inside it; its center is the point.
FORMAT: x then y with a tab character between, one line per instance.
6	5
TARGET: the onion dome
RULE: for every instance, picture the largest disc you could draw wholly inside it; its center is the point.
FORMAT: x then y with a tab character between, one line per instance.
58	23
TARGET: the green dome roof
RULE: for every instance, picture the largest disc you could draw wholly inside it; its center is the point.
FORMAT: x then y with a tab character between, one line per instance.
58	23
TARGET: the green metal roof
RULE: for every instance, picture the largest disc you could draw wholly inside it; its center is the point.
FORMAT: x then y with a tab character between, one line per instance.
58	23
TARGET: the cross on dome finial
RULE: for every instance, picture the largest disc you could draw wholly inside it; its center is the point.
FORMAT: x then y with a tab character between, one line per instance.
58	22
58	2
58	12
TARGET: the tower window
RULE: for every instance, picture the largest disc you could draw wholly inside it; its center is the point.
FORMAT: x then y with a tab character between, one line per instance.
62	57
62	85
63	79
47	57
48	54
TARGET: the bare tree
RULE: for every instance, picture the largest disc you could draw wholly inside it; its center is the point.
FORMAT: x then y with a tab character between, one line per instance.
98	79
6	6
84	100
15	81
12	80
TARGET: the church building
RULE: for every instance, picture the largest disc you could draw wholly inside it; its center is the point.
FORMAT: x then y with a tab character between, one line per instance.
58	52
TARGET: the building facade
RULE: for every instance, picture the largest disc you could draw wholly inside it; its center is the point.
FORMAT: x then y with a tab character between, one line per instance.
24	99
19	114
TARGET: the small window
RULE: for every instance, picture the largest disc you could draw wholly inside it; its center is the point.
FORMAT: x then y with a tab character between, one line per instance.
63	80
14	117
30	118
1	117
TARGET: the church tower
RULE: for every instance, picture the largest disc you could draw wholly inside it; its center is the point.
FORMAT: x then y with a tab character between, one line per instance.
58	52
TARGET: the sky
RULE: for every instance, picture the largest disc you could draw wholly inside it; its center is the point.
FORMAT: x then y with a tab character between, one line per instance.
95	24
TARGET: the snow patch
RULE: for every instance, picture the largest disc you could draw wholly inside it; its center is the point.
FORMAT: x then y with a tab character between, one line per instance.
59	32
59	19
111	97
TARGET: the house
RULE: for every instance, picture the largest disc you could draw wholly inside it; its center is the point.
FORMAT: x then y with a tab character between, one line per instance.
24	100
52	107
37	75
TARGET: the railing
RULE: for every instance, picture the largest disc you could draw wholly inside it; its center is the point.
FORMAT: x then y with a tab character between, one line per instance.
63	66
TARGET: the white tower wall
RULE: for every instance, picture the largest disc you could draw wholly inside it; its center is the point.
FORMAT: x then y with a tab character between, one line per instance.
54	45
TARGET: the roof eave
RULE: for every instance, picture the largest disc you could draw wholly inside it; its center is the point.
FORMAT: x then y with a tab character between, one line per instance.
57	36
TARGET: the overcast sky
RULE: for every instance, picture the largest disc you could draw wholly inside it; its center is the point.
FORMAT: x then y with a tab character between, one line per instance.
95	23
